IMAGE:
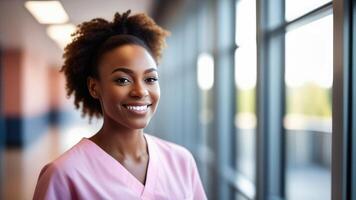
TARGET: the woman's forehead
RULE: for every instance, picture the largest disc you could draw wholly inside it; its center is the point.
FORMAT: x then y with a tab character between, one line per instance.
133	57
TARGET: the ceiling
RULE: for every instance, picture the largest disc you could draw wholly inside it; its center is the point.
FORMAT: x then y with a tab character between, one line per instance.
19	30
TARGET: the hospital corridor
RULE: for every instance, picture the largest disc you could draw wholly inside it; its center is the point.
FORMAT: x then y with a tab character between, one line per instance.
262	94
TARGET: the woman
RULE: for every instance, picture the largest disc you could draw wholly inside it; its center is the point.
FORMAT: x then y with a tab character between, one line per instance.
111	68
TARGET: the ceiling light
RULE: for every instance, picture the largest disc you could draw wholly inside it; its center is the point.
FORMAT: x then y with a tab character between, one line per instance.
61	34
47	12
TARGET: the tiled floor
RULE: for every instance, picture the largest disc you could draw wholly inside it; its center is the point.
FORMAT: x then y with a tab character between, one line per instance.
22	166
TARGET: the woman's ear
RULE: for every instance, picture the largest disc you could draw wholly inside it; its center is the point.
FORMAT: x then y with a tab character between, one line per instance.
92	84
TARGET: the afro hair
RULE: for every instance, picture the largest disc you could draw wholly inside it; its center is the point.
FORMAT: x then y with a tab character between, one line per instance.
95	37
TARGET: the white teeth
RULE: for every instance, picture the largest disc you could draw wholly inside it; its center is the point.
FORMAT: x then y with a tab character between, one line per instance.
137	107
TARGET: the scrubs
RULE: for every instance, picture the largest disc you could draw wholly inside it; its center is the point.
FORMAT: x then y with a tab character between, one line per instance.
87	172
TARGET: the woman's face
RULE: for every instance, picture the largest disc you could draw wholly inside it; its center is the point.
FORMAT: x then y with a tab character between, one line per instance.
128	86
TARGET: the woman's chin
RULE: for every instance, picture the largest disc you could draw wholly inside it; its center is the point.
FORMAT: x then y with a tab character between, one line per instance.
137	125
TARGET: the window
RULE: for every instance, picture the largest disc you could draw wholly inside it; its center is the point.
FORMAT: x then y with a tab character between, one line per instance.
308	78
295	79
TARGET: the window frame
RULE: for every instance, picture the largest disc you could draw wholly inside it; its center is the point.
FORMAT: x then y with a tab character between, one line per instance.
271	29
344	105
270	99
224	100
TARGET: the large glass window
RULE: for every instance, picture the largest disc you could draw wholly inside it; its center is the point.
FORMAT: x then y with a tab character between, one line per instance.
308	78
245	81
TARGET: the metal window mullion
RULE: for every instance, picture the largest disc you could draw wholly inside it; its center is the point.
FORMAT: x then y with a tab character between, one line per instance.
342	102
315	14
223	91
270	100
307	18
353	72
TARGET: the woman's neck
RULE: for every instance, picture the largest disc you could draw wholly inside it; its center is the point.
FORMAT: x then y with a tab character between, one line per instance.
121	142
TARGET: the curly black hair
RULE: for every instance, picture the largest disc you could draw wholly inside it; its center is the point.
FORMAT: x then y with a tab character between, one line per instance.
94	38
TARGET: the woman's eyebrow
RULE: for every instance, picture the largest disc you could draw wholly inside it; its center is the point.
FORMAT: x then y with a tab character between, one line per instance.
150	70
129	71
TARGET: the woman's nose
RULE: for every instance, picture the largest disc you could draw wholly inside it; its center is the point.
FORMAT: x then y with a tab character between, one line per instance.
138	90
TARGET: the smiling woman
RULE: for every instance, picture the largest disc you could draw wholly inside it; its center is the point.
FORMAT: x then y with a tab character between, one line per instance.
111	69
128	89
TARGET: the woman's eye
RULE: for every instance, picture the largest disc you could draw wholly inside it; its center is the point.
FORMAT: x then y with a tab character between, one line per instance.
122	81
152	80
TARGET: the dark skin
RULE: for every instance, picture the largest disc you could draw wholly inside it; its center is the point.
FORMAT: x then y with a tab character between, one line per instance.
128	91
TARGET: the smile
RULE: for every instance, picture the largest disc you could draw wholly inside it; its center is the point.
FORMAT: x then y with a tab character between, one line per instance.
137	109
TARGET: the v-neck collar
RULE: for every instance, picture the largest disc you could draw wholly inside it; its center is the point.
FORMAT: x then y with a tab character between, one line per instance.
129	179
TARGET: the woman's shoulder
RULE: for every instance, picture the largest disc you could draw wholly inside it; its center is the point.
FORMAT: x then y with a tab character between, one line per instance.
55	177
67	161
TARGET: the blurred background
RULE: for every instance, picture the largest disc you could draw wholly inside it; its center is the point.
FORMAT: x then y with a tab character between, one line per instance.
246	86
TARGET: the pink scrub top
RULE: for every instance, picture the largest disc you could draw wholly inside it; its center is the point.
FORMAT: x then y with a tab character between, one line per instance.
87	172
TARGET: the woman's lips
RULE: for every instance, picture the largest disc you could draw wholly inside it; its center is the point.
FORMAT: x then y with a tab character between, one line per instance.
139	109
